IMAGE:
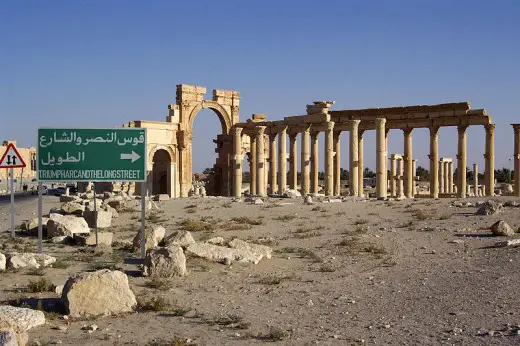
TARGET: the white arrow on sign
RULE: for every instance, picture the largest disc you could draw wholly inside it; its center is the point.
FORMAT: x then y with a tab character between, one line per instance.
133	156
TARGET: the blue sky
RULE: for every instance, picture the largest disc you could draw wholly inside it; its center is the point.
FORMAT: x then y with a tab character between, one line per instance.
103	63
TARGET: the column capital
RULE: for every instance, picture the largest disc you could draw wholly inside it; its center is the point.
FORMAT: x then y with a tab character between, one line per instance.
237	131
490	128
360	134
354	124
293	135
407	131
380	121
461	129
516	156
259	130
330	125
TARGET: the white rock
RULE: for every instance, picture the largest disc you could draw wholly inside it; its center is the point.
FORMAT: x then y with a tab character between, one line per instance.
308	199
512	242
181	238
24	318
215	241
100	218
153	235
8	337
72	208
30	260
103	292
222	254
266	251
501	228
66	225
165	262
292	193
3	262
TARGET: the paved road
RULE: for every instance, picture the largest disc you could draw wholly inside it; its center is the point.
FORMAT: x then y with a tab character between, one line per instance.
18	196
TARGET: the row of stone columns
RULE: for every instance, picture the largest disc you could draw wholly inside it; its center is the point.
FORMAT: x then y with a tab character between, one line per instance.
400	177
446	176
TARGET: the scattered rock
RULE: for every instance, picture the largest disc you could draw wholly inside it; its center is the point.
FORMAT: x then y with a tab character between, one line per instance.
3	262
292	193
31	226
23	318
99	218
162	197
512	242
490	208
153	234
165	262
216	241
308	200
30	260
266	251
60	240
116	202
501	228
8	337
103	292
220	254
90	239
67	225
72	208
181	238
58	290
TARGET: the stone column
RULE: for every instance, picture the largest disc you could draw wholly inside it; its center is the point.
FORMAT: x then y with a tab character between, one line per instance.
450	177
361	169
314	162
381	183
475	179
282	161
461	161
434	161
252	165
354	157
329	157
447	187
272	164
400	178
414	177
442	188
337	163
516	158
385	171
293	162
305	163
408	161
490	159
393	175
260	161
237	161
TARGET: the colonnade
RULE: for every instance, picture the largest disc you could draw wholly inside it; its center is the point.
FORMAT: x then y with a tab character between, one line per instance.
269	139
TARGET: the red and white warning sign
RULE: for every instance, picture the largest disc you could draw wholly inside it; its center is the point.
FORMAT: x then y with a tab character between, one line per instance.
11	158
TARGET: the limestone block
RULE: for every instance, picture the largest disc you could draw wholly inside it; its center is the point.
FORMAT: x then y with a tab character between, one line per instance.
308	200
72	208
8	337
292	193
153	234
501	228
90	239
103	292
490	208
216	241
9	325
65	199
223	254
67	225
30	260
162	197
181	238
99	218
165	262
3	262
31	226
116	202
112	211
23	318
266	251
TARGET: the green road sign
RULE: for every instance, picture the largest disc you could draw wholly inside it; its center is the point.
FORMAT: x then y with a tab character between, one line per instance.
91	154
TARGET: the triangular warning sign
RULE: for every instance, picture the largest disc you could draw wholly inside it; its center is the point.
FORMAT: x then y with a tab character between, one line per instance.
11	158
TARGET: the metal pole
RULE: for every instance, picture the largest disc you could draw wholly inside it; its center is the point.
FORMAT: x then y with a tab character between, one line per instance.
40	213
143	218
95	214
12	202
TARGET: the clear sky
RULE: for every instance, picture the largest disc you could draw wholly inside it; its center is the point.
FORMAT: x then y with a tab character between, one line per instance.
103	63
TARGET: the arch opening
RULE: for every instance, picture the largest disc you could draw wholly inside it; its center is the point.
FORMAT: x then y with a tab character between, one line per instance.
161	172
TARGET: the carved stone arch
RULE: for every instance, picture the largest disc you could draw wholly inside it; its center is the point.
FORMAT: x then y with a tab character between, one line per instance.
226	120
157	147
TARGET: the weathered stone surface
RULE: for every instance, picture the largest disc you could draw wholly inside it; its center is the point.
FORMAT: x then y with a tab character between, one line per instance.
67	225
9	325
162	197
116	202
308	199
3	262
266	251
507	189
72	208
112	211
99	218
165	262
489	208
31	226
292	193
29	260
8	337
223	254
501	228
103	292
512	243
23	318
153	234
90	239
215	241
65	199
181	238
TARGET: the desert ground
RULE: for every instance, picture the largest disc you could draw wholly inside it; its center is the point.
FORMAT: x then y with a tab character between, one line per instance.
361	271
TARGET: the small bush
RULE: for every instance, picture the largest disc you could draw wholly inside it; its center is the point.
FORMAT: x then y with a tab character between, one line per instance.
287	217
154	304
41	285
158	284
36	271
247	221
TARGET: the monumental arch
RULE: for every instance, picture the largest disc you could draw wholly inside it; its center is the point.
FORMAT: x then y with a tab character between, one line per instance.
169	143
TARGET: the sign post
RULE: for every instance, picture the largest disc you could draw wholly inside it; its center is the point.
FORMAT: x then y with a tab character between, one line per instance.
91	155
12	159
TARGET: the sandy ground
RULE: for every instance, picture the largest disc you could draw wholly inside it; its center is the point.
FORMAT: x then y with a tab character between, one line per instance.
348	273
